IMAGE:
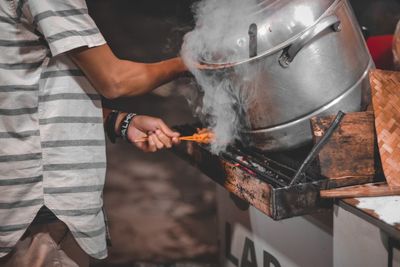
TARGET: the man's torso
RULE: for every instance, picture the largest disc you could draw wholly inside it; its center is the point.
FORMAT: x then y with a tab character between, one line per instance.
52	148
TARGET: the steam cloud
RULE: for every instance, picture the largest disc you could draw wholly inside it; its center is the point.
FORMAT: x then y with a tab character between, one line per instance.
220	36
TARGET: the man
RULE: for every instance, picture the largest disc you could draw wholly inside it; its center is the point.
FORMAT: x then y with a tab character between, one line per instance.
54	63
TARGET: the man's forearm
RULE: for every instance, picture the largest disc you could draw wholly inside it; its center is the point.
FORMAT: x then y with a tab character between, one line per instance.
114	78
139	78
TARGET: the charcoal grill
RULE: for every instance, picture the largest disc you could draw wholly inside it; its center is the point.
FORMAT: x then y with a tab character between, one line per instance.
263	179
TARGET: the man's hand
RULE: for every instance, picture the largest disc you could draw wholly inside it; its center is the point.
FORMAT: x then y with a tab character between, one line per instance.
158	133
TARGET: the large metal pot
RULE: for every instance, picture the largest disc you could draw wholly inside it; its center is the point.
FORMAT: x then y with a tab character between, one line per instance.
307	58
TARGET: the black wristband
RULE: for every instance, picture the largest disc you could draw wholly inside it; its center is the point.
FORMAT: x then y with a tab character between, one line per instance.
125	125
110	126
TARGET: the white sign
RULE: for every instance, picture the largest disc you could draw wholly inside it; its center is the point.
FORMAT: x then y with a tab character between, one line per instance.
249	238
245	246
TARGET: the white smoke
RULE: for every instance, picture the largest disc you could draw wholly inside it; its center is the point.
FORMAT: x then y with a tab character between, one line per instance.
221	36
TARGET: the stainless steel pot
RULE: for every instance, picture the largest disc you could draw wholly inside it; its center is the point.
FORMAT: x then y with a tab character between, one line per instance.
309	59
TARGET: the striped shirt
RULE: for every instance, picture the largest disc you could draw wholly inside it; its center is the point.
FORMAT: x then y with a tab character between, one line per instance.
52	145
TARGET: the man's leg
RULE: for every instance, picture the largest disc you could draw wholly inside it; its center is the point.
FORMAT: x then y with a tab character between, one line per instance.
47	245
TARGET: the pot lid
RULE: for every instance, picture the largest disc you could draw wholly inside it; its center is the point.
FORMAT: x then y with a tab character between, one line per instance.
227	30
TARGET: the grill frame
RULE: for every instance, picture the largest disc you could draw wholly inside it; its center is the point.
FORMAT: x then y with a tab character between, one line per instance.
268	188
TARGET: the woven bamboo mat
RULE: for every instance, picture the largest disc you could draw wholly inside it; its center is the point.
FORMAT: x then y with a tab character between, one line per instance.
385	89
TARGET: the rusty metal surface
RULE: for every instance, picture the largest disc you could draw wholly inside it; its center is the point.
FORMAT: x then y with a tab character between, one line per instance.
261	180
245	185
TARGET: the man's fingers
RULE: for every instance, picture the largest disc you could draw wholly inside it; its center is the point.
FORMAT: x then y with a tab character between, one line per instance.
143	146
152	144
175	140
158	142
167	130
158	133
164	139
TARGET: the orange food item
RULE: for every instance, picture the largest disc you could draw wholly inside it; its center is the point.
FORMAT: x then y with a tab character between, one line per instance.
203	136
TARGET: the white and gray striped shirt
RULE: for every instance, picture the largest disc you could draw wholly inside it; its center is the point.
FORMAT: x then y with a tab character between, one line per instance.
52	146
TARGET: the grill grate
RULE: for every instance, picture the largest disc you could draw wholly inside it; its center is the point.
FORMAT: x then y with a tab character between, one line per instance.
277	169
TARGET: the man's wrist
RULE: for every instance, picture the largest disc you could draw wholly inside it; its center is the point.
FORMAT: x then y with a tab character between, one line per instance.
122	122
118	123
110	125
180	67
125	125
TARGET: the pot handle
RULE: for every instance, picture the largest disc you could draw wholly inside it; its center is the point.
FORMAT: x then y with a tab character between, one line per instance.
290	52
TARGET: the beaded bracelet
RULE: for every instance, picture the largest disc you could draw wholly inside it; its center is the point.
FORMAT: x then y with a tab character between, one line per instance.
125	125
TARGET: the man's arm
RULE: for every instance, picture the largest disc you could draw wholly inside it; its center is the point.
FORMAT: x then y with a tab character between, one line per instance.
114	78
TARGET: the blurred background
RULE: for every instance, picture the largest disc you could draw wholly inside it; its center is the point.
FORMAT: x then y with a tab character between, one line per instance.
162	211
